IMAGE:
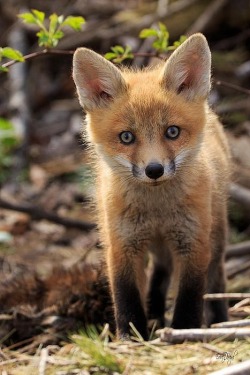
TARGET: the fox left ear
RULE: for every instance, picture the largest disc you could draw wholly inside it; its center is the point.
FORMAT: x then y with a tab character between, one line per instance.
188	69
97	80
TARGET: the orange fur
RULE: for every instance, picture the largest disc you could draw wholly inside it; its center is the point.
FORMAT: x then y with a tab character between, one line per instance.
179	212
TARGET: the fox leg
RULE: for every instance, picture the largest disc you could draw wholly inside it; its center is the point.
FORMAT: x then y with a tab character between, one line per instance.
128	286
188	310
216	311
158	287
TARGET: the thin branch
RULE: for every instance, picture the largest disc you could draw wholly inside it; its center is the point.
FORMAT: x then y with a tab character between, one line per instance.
231	296
39	214
39	53
238	249
238	369
235	323
232	86
175	336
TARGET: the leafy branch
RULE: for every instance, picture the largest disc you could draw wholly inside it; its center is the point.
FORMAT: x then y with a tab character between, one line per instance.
160	45
49	34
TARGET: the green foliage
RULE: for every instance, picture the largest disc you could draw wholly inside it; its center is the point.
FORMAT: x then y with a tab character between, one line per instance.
119	54
9	53
98	352
160	44
8	141
161	38
51	29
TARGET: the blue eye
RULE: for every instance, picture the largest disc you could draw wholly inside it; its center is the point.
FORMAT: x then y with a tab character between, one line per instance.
127	137
172	132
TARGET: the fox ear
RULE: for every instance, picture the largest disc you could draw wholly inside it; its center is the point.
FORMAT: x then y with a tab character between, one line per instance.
188	69
97	80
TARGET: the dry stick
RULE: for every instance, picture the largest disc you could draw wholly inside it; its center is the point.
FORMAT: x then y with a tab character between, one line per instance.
235	323
231	296
176	336
240	194
239	269
232	86
239	249
206	17
238	369
43	360
38	214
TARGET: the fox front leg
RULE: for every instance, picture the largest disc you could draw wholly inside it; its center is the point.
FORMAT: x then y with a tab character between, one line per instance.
127	281
188	312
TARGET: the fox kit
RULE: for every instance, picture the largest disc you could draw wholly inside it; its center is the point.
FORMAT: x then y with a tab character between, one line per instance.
162	175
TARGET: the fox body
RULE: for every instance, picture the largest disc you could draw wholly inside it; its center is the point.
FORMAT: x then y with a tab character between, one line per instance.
162	171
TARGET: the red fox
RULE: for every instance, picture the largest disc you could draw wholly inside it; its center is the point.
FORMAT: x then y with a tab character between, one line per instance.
162	164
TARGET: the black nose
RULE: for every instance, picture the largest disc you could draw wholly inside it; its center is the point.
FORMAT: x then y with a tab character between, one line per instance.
154	170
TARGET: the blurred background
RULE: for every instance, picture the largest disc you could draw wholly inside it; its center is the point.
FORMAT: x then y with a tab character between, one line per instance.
46	216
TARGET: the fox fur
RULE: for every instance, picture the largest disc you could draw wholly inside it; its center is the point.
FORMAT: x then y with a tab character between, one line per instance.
162	165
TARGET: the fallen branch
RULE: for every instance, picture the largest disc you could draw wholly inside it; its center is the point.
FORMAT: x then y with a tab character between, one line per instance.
175	336
240	194
238	369
239	249
232	296
39	214
233	324
238	269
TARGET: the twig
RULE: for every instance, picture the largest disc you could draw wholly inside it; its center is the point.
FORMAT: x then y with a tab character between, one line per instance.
238	369
231	296
240	194
235	323
207	16
232	86
239	269
43	360
239	249
33	55
175	336
39	214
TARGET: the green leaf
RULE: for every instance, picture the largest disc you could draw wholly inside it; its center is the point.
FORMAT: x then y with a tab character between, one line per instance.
3	69
53	23
43	39
118	49
38	15
74	22
58	35
12	54
110	55
147	33
162	27
6	124
28	18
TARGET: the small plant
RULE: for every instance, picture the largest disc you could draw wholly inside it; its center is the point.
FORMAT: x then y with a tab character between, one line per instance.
160	44
9	53
8	141
118	54
49	36
161	38
98	352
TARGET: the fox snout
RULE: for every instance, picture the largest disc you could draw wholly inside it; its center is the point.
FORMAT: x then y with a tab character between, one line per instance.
154	170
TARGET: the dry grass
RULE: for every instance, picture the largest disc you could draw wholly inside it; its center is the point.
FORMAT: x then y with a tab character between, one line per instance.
90	355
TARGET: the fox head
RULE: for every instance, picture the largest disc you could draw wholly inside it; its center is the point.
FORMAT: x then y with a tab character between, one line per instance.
146	125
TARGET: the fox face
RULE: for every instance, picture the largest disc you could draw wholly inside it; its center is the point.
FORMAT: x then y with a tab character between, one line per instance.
146	125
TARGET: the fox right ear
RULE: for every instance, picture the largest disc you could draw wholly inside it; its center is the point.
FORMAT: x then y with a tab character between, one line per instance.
188	69
97	80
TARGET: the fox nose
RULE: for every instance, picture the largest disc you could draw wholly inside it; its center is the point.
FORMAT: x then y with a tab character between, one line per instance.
154	170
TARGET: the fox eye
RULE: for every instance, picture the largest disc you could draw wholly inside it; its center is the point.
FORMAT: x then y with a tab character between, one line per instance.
172	132
127	137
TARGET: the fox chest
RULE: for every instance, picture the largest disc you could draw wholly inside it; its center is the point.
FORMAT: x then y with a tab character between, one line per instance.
170	222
